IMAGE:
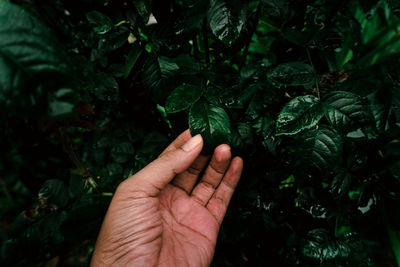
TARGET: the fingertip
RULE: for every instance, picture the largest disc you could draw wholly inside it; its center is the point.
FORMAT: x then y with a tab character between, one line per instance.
237	164
222	152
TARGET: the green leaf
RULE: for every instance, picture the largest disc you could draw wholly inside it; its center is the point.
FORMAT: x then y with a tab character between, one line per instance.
226	22
157	74
122	152
341	183
344	109
53	193
114	39
321	148
103	23
224	96
131	59
319	246
182	97
293	74
187	64
29	55
211	122
301	113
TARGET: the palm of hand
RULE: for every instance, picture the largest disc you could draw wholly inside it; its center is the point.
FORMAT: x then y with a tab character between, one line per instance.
152	222
189	229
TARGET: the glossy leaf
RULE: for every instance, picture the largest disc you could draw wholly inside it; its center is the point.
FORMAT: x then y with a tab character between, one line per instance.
224	96
212	122
102	23
344	109
319	246
301	113
293	74
320	148
226	22
182	98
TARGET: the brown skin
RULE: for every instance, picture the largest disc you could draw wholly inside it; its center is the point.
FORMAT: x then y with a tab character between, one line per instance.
164	216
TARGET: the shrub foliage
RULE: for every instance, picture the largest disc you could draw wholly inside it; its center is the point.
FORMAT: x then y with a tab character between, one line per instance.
307	92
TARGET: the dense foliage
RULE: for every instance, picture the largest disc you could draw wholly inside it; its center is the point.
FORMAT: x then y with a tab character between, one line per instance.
307	92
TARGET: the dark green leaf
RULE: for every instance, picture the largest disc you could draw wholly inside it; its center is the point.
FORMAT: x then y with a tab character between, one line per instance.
211	122
187	65
114	39
29	54
157	74
53	193
226	22
103	23
341	184
319	246
131	59
293	74
182	97
224	96
301	113
276	11
122	152
344	110
321	148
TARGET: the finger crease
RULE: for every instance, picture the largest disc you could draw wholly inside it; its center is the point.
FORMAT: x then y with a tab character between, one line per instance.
207	184
216	169
193	170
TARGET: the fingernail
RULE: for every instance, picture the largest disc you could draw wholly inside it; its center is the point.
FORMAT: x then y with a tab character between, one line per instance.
192	143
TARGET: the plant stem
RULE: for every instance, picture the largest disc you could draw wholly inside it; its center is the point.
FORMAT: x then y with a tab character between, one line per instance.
205	40
315	73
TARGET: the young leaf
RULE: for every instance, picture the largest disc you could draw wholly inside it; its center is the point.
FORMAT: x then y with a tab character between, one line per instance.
301	113
211	122
182	97
344	109
321	148
103	23
293	74
226	22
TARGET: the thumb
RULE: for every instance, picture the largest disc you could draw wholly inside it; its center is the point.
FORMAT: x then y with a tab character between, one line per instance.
155	176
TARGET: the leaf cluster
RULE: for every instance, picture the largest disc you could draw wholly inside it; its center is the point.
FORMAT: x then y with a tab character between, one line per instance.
307	92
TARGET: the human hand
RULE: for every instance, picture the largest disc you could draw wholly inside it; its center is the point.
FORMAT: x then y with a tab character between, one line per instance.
161	217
